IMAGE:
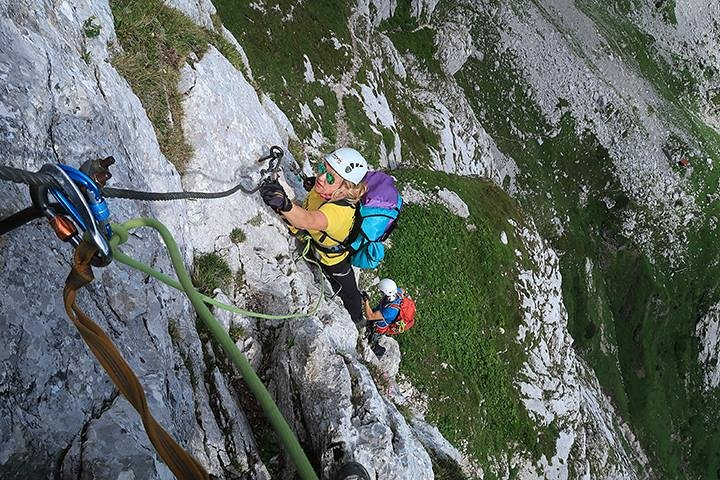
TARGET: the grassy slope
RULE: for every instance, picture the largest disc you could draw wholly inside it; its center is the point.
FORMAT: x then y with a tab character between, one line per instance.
650	312
157	41
468	315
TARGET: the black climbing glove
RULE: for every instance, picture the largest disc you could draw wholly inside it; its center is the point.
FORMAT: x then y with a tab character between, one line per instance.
308	183
365	295
275	197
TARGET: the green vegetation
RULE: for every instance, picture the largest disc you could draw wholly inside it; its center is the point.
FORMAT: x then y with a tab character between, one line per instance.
632	319
237	235
637	49
319	30
358	123
256	221
236	332
416	137
408	36
157	41
468	314
447	469
86	56
667	7
211	272
276	36
91	29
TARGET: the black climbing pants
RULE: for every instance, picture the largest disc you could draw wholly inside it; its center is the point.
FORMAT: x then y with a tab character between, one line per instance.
342	280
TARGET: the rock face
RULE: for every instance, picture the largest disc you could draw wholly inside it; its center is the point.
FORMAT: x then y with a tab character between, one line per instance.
708	331
322	386
621	101
691	41
61	416
463	146
558	387
454	44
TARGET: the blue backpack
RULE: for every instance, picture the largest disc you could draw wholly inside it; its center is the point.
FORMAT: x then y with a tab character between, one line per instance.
375	218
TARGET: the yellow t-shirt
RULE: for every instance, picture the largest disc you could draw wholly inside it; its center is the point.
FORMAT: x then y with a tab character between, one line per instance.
340	221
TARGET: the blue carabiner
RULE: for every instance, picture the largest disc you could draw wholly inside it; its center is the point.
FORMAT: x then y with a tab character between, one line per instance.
98	205
72	199
69	207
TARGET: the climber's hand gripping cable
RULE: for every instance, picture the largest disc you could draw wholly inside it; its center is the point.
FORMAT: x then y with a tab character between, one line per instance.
73	200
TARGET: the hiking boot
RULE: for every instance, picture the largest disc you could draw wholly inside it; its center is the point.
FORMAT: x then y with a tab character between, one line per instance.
351	471
377	349
373	337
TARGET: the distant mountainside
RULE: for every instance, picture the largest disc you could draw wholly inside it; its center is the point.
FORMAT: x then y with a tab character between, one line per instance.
559	165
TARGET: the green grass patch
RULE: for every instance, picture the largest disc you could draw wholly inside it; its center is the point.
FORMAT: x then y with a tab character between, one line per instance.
667	8
463	281
256	221
91	28
409	37
157	41
237	235
210	272
236	332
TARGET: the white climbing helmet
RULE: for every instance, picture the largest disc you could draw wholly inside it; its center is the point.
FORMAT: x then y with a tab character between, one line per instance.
348	163
388	288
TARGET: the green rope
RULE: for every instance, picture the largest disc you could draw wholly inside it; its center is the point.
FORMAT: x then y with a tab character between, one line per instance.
286	435
121	232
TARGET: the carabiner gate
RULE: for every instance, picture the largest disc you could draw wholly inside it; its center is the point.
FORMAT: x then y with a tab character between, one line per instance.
74	203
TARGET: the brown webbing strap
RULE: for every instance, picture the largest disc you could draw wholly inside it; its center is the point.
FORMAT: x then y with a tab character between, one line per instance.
180	462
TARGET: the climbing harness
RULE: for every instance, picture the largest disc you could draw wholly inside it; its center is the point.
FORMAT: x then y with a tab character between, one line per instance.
73	202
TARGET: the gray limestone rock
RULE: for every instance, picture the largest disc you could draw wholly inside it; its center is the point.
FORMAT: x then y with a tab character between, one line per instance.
200	11
61	414
310	363
454	44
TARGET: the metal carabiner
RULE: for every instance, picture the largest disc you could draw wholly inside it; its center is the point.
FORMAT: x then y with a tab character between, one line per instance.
275	155
74	203
53	212
97	202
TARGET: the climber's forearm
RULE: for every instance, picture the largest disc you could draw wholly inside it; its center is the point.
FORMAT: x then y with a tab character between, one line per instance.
369	314
306	219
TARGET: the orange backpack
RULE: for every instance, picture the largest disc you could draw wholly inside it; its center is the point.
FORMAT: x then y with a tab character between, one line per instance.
406	317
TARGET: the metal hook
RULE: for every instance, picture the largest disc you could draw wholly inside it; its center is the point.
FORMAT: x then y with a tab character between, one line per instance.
75	204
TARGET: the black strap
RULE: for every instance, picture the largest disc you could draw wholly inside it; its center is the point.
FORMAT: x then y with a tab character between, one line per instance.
19	218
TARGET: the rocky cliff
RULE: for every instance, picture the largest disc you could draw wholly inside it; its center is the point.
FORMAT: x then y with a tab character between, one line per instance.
412	85
61	415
